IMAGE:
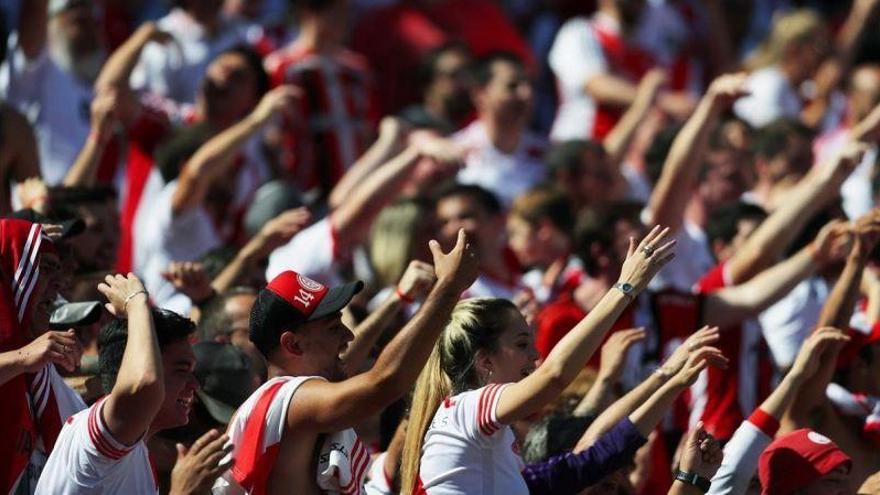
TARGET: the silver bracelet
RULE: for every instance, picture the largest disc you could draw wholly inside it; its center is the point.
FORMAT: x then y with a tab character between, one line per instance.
131	296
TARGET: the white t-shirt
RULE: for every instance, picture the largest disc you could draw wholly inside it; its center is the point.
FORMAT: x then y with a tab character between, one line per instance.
468	451
55	102
789	322
505	175
87	460
771	97
177	69
312	253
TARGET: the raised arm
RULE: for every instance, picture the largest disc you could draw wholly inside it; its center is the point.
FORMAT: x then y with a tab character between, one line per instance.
353	218
84	171
732	305
529	395
392	132
139	390
213	160
682	165
416	281
325	406
836	313
618	140
772	238
627	404
752	437
118	68
33	27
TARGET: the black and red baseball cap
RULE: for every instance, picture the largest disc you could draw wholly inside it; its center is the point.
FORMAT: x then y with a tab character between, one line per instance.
290	300
795	460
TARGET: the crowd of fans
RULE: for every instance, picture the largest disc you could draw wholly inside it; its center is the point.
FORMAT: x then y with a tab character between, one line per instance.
439	247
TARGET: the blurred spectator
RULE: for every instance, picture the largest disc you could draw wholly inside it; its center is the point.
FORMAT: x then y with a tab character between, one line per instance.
445	80
19	159
337	111
54	58
200	33
501	154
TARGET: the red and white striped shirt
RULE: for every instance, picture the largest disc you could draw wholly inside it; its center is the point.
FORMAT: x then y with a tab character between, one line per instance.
87	459
256	433
336	115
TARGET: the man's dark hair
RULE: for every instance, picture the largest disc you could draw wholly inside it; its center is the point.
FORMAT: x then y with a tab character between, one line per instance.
170	328
656	155
483	71
567	156
255	63
545	203
484	197
724	220
772	139
72	196
427	69
597	226
214	320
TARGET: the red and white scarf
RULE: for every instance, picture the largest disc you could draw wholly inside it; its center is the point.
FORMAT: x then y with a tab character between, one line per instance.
31	416
858	405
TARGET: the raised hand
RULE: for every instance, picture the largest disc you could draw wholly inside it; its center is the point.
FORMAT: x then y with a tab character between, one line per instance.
281	229
61	348
645	260
122	290
696	341
727	88
33	193
191	279
614	352
845	161
866	230
281	99
808	359
416	281
696	363
832	242
702	454
199	466
457	268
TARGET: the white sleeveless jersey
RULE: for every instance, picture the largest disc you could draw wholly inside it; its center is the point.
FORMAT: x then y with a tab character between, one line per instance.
88	460
467	451
256	433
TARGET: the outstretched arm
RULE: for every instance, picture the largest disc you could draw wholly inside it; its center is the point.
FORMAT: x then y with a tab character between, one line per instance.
775	234
617	142
119	66
529	395
324	406
680	170
139	390
214	159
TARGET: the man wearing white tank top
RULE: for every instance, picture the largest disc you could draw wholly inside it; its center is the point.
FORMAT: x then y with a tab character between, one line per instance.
303	416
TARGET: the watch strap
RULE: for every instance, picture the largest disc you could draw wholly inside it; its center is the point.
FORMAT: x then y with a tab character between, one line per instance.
694	479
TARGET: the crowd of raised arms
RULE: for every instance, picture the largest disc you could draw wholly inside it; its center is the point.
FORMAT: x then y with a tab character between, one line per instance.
439	247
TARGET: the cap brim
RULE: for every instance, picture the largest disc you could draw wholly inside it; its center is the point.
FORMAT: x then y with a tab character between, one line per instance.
221	412
336	299
75	315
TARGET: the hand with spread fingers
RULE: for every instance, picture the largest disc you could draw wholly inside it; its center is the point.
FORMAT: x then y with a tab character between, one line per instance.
702	453
199	466
121	291
458	267
698	361
644	261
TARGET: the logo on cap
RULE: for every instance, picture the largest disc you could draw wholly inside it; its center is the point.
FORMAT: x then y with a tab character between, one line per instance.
818	438
299	291
308	284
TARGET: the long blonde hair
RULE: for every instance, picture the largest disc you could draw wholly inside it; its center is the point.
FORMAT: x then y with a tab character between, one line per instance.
788	29
475	325
392	239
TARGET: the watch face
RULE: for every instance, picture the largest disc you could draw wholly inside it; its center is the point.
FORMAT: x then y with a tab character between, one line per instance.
626	287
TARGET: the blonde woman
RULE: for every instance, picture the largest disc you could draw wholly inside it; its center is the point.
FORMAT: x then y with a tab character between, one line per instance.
481	378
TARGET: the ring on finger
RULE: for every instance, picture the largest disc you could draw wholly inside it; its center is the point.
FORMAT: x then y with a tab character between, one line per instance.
648	250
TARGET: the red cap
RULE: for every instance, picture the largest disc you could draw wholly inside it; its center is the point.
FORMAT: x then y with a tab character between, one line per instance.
795	460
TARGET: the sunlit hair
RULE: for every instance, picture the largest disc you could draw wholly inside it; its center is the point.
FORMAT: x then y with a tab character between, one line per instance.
393	238
475	325
789	29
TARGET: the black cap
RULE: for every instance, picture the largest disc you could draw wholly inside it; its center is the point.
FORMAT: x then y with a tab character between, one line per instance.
224	374
290	300
77	314
69	228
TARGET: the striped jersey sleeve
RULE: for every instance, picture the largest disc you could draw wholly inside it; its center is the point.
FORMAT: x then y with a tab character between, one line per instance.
479	408
101	440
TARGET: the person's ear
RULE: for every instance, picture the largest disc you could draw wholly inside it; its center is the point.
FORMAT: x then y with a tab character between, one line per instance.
291	343
483	364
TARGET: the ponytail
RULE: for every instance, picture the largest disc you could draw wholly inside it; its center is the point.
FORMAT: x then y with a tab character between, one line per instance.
432	387
475	324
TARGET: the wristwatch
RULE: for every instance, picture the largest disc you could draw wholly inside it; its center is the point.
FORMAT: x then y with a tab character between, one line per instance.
627	289
694	479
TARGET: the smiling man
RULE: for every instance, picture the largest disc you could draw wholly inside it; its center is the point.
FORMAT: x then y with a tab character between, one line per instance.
146	368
